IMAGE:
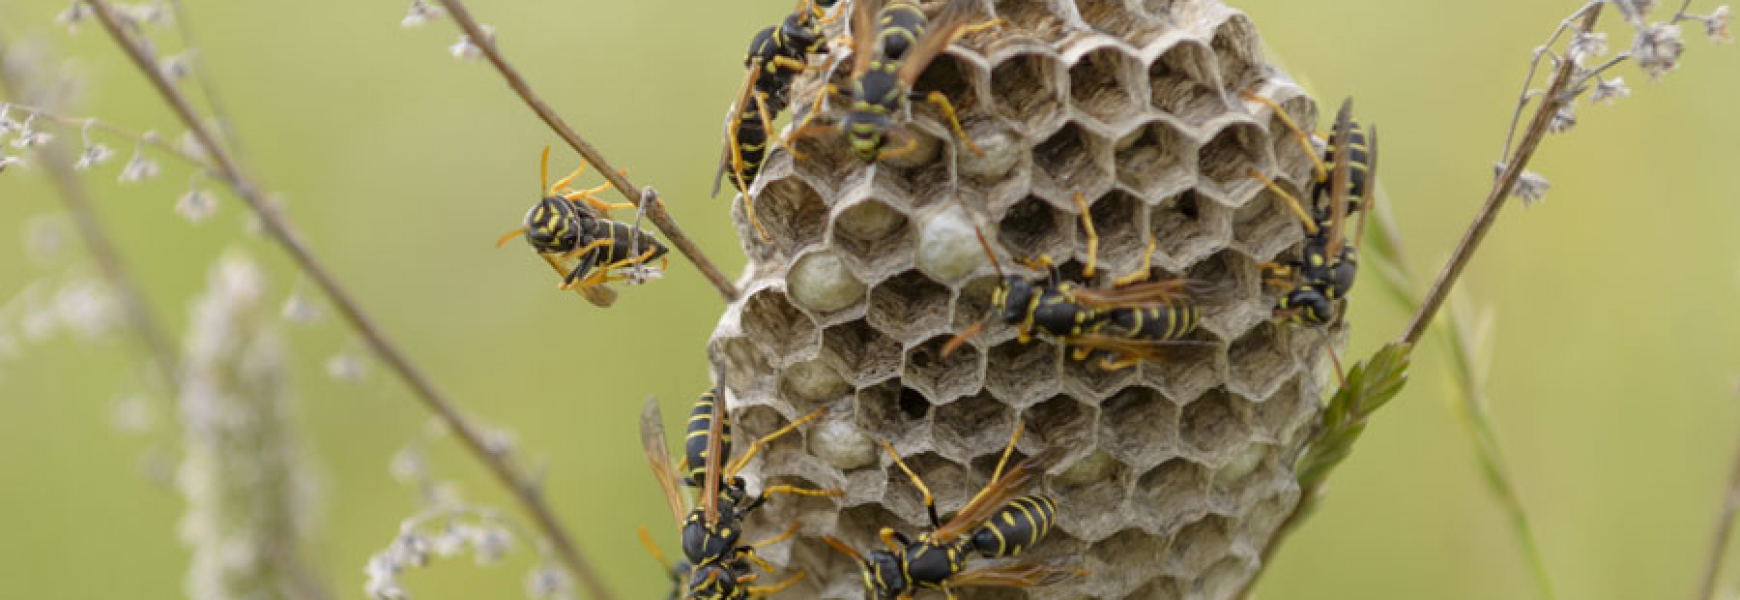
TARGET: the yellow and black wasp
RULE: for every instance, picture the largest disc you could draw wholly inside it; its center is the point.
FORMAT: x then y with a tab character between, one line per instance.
1133	320
777	54
994	524
718	564
567	224
1314	284
892	45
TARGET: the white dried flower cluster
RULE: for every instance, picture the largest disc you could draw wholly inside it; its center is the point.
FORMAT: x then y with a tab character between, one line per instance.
176	67
87	308
46	239
242	470
196	205
346	367
7	126
73	14
1587	45
145	13
1657	48
446	531
421	12
27	136
464	49
549	582
300	309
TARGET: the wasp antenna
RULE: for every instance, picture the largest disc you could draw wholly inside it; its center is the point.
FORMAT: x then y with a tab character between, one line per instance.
988	252
544	171
508	236
960	339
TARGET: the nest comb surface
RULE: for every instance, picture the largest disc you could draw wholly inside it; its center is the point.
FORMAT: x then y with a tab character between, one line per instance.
1178	470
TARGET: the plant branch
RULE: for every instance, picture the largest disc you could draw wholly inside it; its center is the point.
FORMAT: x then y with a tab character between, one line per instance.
152	335
501	465
484	42
1724	528
1513	169
137	138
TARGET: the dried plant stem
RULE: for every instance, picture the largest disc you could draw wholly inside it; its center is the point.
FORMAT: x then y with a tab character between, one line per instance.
1724	528
158	345
1513	170
501	465
483	41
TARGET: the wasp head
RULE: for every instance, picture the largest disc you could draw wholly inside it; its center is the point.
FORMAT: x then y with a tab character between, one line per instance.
713	582
552	225
799	34
1312	306
1012	297
883	575
865	130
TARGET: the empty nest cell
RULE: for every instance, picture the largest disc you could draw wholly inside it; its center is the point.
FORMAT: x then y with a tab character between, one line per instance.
1171	494
792	214
909	306
1238	305
1192	366
1124	561
1094	508
1289	153
1228	159
1259	361
1235	48
1139	426
890	412
1188	227
777	327
1045	19
1072	160
1158	161
940	378
1213	427
1033	227
1062	422
1104	84
1199	545
1024	87
1180	84
950	484
1118	218
860	353
1267	225
1022	374
972	426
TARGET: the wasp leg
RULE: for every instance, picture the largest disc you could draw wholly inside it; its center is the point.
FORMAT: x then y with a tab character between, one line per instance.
948	109
805	128
769	590
789	490
1093	238
755	447
971	29
1122	362
588	195
749	553
1146	270
929	500
892	539
786	535
1292	202
1298	132
583	275
657	554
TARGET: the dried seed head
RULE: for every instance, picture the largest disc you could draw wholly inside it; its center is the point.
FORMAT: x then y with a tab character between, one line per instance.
1587	45
464	49
1610	90
1563	119
1657	48
1716	25
421	12
196	205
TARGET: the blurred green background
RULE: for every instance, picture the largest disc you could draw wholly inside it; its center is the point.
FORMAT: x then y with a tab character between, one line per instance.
1617	352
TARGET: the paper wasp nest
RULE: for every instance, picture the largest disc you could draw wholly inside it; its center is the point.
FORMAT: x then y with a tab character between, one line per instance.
1180	469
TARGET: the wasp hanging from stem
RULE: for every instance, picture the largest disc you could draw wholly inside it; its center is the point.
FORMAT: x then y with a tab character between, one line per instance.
1133	320
719	565
777	54
891	46
567	224
994	523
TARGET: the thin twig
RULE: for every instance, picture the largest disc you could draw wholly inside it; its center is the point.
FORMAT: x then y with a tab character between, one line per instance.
1513	170
152	335
1724	527
101	125
484	42
501	465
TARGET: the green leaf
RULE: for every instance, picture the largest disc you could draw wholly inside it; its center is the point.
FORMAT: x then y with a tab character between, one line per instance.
1370	385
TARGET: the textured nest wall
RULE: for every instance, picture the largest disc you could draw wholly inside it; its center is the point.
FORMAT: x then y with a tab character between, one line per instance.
1180	469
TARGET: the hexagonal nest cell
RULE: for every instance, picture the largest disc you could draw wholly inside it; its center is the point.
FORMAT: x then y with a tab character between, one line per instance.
1158	161
1104	85
1181	84
1165	465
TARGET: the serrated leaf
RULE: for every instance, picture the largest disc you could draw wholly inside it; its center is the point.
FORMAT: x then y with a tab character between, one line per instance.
1370	385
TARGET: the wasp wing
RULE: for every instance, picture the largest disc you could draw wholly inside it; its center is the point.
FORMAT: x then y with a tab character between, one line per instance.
994	496
652	442
1026	574
1150	294
715	447
1338	176
598	295
1369	202
733	122
941	31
